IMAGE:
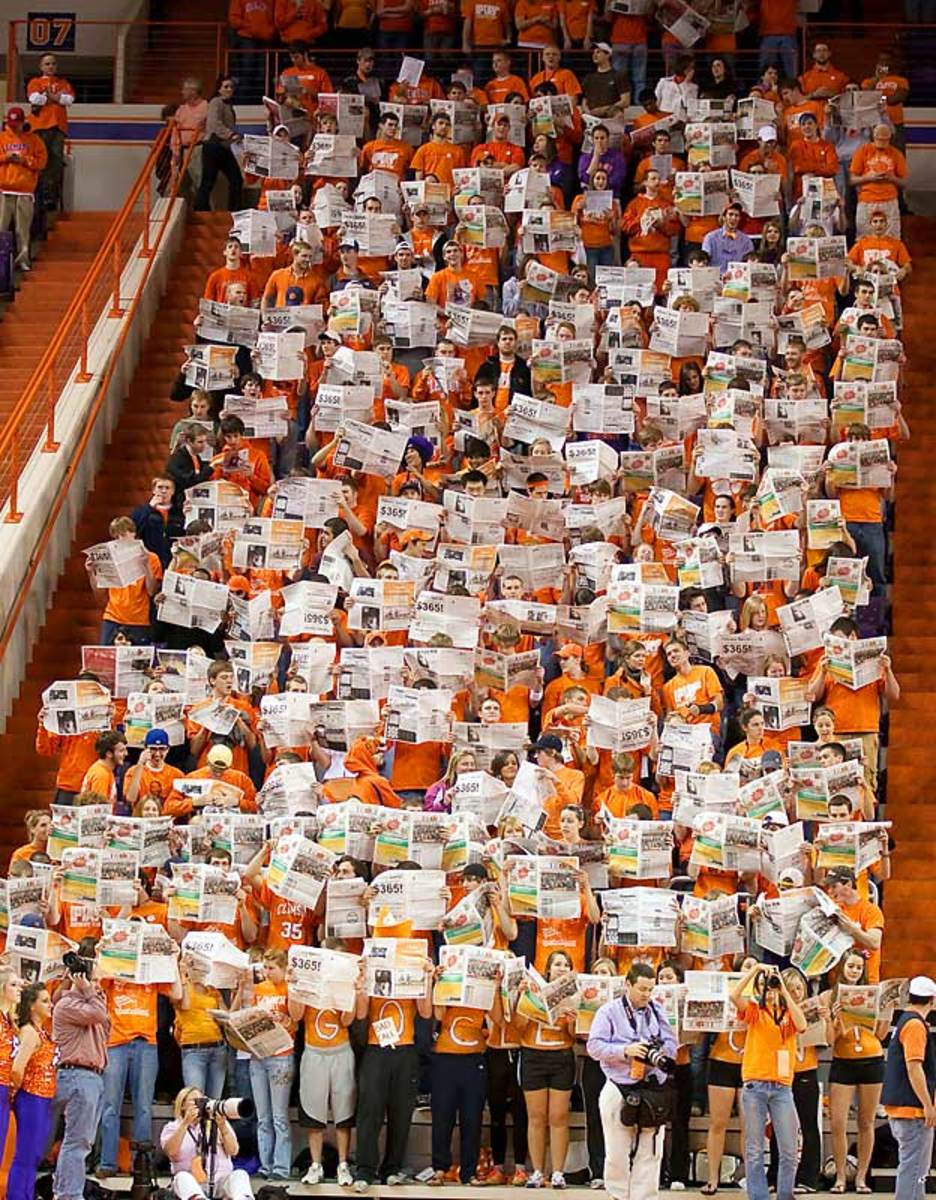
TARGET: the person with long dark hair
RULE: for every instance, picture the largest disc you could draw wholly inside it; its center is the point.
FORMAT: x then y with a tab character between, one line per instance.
217	156
32	1078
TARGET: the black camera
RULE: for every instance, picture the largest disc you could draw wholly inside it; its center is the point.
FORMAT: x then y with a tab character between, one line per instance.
76	965
234	1108
657	1058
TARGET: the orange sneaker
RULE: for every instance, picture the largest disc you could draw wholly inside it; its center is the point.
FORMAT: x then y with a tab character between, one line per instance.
519	1177
453	1175
495	1178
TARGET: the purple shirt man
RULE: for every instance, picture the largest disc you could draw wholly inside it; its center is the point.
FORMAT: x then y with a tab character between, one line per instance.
601	155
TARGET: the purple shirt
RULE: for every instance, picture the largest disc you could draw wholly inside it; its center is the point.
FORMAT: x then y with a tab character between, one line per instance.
613	161
723	249
616	1026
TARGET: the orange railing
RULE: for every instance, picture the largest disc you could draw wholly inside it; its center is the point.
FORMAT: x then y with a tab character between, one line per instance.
135	230
33	420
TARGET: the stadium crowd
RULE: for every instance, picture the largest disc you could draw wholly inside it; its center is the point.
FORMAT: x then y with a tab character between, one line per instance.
505	635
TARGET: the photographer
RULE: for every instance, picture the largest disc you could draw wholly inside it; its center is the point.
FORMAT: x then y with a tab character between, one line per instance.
636	1047
196	1157
80	1028
773	1019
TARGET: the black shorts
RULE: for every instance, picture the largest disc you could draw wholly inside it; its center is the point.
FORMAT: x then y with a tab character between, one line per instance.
723	1074
547	1069
855	1071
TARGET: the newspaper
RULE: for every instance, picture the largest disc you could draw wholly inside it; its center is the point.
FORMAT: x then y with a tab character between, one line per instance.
323	979
263	417
381	604
864	402
116	564
334	155
256	231
470	922
814	786
101	877
348	828
619	724
369	450
137	952
192	603
154	710
711	927
782	701
639	849
820	943
345	914
640	916
468	977
854	663
367	673
594	992
804	622
777	919
860	464
73	826
19	896
408	895
395	967
858	845
75	707
221	503
544	886
229	324
546	1003
480	794
758	195
758	557
203	894
708	1007
147	837
213	960
642	607
298	870
699	194
36	954
121	669
211	367
816	257
253	1030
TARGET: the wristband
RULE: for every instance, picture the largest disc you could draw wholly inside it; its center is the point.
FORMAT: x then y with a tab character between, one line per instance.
708	709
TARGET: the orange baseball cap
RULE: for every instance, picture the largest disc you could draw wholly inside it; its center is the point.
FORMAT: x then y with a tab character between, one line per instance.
571	650
239	583
415	535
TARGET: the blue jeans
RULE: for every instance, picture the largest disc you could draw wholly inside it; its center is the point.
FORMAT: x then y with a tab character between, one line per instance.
761	1100
631	59
205	1067
78	1098
872	543
271	1082
778	48
136	1060
915	1150
33	1127
599	256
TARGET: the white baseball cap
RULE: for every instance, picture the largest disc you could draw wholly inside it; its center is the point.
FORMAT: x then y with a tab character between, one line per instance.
922	985
603	46
767	133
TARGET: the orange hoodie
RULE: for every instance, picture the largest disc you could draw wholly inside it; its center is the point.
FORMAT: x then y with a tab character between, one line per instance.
253	19
300	20
368	785
21	177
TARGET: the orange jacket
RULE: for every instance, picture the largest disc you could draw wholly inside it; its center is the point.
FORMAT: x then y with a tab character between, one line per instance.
368	784
300	20
49	114
21	176
253	19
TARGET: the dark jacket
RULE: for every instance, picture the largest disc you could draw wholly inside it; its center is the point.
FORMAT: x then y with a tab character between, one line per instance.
185	471
156	532
520	381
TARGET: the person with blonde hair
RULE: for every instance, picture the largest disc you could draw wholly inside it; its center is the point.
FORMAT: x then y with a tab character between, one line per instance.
193	1162
10	987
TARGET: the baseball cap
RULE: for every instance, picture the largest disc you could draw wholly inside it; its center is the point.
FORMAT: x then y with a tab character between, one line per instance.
32	921
548	741
602	46
329	335
156	737
767	133
220	756
922	985
571	650
475	871
348	244
239	583
402	244
414	535
792	876
771	760
840	875
16	114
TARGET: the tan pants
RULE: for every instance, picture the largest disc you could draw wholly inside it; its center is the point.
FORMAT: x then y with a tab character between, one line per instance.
17	210
870	745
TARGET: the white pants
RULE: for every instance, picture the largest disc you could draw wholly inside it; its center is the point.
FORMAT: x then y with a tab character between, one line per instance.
235	1186
624	1178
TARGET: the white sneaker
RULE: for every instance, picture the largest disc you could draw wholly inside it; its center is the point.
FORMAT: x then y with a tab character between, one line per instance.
557	1180
314	1175
677	1186
536	1180
394	1180
596	1184
345	1178
361	1186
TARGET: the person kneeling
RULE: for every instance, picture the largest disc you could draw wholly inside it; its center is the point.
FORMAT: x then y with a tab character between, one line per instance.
187	1141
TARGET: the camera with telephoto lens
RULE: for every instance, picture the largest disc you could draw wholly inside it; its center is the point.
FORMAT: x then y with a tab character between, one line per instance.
76	965
656	1057
234	1108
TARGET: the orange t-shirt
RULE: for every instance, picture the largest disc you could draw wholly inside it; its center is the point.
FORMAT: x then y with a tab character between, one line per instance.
770	1046
130	605
52	114
100	778
132	1010
439	159
285	289
536	1036
887	85
870	158
157	784
777	17
323	1028
546	15
452	287
380	155
700	686
272	998
216	284
461	1031
498	90
556	934
868	916
291	924
857	711
490	21
401	1012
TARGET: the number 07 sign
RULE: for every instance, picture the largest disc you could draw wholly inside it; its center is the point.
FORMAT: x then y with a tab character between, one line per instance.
47	31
